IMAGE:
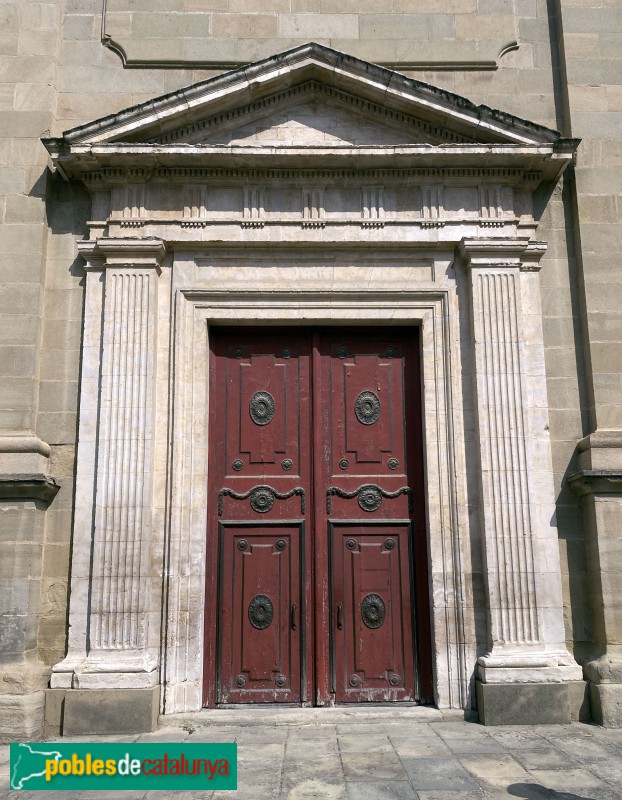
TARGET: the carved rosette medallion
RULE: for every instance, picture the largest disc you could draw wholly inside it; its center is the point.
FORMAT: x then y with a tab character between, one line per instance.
262	500
372	610
261	408
367	408
260	611
370	499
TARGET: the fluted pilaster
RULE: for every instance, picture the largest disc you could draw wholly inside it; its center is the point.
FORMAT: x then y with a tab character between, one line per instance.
526	637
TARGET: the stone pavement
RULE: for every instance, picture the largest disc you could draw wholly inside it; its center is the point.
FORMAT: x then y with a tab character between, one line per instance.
384	754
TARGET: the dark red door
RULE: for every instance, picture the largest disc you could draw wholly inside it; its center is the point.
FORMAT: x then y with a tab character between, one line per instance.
368	382
313	578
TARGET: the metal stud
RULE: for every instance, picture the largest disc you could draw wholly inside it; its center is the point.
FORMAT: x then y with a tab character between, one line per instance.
342	352
287	353
393	463
344	463
355	680
238	352
395	680
389	544
281	544
242	544
351	544
280	680
237	465
241	681
287	464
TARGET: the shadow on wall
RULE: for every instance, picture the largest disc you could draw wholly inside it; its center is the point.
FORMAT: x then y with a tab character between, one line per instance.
535	791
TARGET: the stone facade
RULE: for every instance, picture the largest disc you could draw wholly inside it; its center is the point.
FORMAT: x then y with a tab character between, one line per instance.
158	206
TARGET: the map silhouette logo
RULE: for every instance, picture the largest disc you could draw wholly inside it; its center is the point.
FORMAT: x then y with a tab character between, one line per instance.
29	762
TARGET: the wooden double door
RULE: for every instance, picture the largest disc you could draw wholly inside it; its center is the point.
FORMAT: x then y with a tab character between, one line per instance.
317	587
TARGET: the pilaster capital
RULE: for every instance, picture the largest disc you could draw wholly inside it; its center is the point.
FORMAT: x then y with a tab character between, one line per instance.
141	253
501	253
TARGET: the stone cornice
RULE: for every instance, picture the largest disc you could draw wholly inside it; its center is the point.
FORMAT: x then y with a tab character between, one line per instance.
28	487
596	481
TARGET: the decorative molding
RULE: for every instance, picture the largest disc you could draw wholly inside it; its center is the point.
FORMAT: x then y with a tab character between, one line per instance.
313	207
335	490
225	492
28	487
432	210
253	207
372	210
596	481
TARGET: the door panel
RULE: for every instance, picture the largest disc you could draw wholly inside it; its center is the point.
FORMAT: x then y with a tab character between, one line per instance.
367	461
259	492
260	614
373	647
329	616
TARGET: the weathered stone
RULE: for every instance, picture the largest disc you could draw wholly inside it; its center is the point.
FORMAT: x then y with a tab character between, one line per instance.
523	703
114	711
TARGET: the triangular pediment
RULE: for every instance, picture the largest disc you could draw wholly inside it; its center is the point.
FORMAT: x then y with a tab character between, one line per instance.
308	106
311	88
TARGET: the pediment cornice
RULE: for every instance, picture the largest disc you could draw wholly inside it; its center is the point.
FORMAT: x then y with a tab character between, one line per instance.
442	129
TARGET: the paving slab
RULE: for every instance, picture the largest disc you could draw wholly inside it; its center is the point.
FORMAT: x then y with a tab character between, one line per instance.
349	756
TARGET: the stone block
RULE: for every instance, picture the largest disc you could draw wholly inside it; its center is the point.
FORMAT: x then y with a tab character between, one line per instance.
21	717
53	714
579	699
523	704
110	711
606	701
325	26
162	25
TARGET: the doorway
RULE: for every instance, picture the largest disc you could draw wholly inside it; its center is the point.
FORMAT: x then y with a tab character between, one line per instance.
318	582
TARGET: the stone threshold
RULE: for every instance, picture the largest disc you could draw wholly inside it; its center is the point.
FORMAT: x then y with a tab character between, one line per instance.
243	716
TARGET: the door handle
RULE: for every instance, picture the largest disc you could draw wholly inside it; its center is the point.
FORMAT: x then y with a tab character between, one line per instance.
292	617
340	616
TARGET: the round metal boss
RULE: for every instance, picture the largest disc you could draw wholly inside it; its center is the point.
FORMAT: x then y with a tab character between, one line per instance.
351	544
260	611
367	408
393	463
280	680
237	465
241	681
344	463
389	544
355	680
372	610
395	680
238	352
342	352
262	500
370	498
242	544
281	544
287	353
261	408
287	464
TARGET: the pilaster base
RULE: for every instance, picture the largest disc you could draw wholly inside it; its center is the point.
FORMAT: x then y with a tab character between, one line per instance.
21	717
523	703
81	712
